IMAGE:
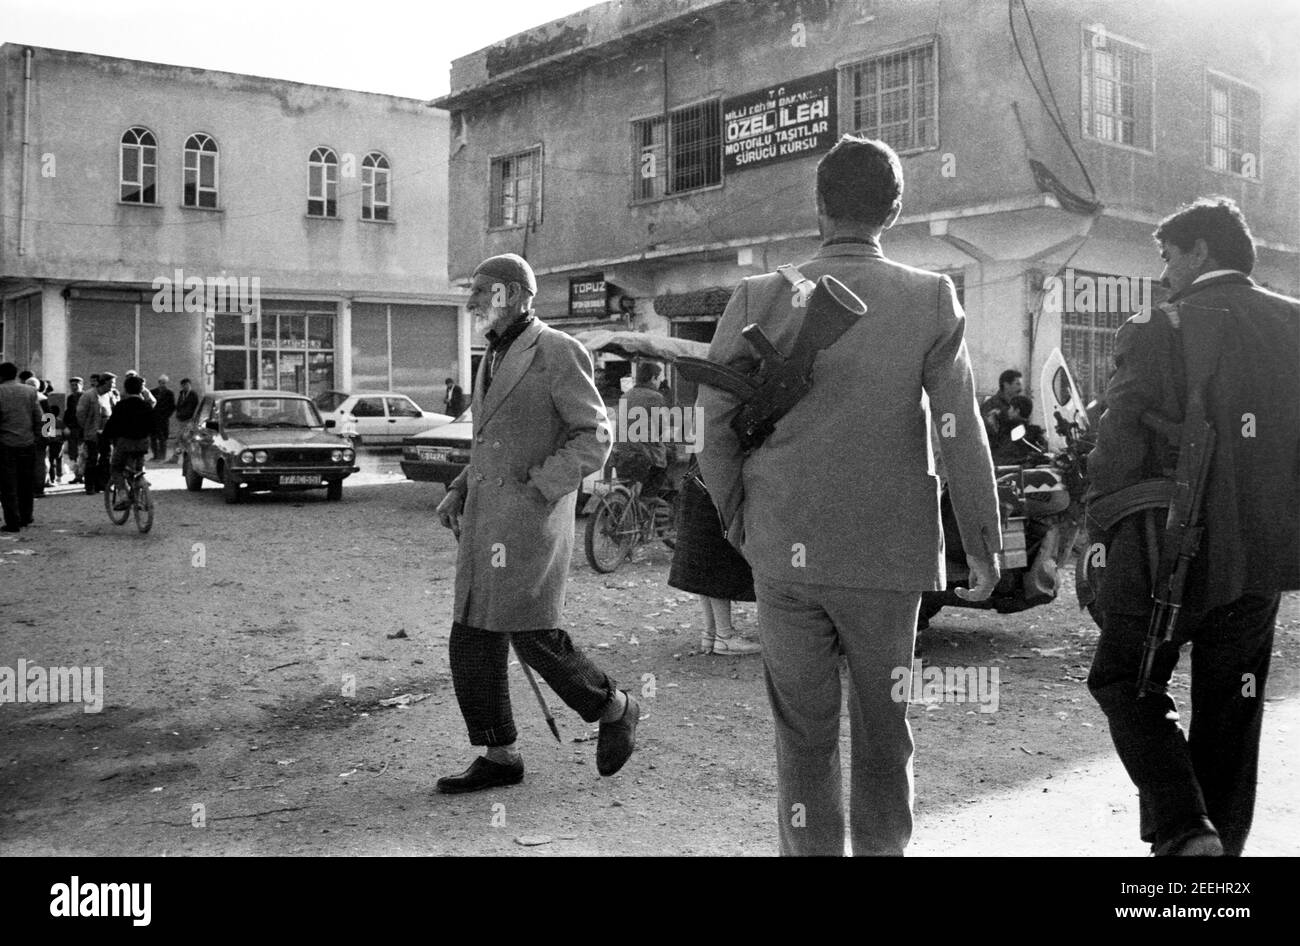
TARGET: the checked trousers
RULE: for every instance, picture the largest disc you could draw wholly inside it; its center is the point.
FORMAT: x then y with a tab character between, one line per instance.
479	660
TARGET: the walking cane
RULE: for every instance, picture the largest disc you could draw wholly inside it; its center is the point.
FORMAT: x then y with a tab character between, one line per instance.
537	692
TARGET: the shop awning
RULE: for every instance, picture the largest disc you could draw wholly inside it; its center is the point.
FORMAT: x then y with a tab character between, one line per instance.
707	302
641	344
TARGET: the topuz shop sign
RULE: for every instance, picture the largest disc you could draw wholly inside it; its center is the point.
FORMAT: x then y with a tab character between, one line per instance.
791	120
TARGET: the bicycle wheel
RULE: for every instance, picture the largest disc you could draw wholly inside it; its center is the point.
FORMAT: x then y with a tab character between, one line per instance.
112	494
611	532
143	506
664	518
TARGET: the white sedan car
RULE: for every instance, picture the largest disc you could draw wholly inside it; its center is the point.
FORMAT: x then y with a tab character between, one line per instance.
377	417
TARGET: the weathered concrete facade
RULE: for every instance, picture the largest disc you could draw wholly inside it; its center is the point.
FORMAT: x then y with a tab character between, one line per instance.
973	204
358	300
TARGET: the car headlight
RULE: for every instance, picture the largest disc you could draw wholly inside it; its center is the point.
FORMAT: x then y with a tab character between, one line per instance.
246	456
336	456
260	456
348	455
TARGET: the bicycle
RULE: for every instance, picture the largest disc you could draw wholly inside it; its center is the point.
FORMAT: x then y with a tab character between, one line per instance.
621	521
137	493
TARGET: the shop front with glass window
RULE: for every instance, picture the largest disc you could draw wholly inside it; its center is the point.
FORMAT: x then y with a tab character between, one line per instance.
291	348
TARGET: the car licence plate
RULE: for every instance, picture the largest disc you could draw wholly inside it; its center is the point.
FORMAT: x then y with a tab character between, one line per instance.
299	479
432	454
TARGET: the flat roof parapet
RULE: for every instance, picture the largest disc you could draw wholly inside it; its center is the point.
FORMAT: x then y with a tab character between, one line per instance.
598	32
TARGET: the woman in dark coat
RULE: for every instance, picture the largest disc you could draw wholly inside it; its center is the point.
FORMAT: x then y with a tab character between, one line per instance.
706	564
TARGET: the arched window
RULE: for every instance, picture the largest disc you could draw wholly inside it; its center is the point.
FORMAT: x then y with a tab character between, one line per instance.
375	199
200	171
138	167
323	183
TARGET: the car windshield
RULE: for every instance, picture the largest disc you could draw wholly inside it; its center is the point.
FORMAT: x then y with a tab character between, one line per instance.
464	418
330	400
269	412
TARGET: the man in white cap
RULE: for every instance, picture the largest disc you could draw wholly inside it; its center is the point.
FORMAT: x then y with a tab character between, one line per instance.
539	428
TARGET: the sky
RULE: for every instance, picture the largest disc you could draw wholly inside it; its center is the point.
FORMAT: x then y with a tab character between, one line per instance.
398	47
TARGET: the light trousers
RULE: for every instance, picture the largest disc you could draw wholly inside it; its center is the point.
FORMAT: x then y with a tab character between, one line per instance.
805	629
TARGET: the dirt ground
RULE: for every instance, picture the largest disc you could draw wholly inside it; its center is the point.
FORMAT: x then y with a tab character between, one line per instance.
226	634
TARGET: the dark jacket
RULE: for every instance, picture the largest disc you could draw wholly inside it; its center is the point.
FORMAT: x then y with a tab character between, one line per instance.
132	419
164	404
187	402
453	401
1252	498
70	412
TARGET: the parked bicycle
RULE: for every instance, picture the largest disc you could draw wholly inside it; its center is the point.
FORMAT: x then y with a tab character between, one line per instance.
622	521
136	493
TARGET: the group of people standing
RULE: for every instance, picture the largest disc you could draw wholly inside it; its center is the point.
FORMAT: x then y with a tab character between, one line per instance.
37	435
90	411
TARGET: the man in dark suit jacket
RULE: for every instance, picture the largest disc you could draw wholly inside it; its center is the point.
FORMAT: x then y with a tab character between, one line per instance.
838	511
1197	794
453	402
163	408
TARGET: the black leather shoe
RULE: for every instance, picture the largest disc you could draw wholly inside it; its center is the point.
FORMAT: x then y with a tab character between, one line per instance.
482	773
616	741
1197	840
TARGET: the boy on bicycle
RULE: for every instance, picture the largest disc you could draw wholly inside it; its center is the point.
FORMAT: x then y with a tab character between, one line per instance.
128	430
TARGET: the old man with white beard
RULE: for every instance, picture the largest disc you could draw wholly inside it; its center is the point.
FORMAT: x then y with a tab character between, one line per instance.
539	428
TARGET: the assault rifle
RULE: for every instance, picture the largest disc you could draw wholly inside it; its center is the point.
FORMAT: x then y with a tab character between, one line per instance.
770	390
1183	529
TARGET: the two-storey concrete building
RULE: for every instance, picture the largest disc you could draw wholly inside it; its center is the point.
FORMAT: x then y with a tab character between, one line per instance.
645	156
238	230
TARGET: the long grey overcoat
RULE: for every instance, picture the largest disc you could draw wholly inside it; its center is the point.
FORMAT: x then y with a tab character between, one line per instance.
539	430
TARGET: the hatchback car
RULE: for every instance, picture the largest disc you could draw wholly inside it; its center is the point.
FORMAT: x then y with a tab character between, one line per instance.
264	440
439	454
380	417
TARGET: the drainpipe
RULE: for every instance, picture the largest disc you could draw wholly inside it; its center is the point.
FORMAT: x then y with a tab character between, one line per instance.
27	120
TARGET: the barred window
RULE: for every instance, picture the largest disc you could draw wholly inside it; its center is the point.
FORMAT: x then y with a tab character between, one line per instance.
893	97
323	183
1088	340
374	187
1233	121
1117	90
138	167
200	172
680	153
958	278
516	198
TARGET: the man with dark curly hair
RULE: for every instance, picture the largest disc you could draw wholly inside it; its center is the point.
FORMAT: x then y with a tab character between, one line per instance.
1233	347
